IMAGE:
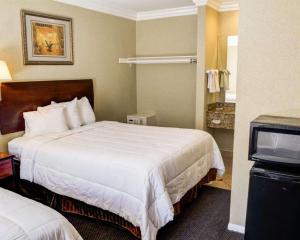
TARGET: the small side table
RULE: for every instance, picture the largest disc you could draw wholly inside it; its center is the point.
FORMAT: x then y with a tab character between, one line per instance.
7	171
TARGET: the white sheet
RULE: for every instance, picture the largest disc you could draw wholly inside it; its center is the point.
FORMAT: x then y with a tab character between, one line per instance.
137	172
24	219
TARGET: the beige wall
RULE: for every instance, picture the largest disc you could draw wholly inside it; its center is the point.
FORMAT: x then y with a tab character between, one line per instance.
167	89
207	37
99	40
228	25
268	79
211	40
201	85
224	139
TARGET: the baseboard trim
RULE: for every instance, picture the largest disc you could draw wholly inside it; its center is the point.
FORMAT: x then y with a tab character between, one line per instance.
236	228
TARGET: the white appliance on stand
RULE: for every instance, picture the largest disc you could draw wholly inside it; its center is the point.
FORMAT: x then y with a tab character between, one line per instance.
147	119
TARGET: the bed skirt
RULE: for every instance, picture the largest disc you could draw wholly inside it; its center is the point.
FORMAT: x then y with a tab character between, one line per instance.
73	206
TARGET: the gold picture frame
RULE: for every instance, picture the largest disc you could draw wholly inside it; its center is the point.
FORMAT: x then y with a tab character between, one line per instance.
47	39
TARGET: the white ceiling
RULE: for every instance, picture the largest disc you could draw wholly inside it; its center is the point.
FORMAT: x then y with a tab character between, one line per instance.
151	9
147	5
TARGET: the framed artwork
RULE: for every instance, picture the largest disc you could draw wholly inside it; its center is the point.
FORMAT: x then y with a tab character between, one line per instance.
47	39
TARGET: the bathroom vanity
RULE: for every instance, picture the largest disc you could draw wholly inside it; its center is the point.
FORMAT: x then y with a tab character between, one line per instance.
221	115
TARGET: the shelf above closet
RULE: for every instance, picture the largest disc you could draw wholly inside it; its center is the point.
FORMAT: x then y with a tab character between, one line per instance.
159	60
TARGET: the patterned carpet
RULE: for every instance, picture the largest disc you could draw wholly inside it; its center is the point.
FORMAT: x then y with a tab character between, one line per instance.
204	219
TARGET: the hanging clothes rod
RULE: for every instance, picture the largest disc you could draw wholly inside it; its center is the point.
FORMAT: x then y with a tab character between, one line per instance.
159	60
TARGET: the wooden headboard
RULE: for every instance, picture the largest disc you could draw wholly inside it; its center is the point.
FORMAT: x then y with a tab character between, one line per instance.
19	97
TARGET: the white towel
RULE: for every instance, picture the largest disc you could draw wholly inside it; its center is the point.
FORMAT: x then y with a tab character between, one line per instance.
217	80
213	83
210	83
224	79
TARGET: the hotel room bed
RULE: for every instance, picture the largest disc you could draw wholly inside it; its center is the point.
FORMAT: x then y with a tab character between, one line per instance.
139	173
24	219
136	172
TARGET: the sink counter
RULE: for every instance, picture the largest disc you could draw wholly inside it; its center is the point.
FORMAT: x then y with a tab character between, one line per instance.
221	115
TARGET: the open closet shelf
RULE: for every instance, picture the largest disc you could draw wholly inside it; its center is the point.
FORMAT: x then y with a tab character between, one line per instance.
159	60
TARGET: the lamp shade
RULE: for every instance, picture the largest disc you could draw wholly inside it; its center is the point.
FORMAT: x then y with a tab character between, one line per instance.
4	72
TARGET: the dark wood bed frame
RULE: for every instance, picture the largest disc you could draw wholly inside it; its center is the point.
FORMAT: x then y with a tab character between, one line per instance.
19	97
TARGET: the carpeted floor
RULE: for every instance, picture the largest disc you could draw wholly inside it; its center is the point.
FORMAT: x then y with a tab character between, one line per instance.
206	218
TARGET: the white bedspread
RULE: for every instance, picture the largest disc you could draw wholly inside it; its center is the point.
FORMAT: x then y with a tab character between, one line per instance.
24	219
137	172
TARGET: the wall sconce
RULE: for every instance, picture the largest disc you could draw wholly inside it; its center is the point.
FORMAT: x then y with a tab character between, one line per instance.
4	72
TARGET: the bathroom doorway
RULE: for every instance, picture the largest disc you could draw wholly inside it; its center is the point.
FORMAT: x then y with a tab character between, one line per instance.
224	135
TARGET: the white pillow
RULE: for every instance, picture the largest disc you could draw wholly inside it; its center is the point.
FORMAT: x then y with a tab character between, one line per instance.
43	121
34	123
86	112
71	112
54	118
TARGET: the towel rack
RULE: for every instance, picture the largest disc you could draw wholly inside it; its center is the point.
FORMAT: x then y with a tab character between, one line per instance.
220	71
159	60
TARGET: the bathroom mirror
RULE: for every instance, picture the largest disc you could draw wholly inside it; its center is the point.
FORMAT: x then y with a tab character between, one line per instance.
232	59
